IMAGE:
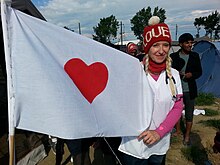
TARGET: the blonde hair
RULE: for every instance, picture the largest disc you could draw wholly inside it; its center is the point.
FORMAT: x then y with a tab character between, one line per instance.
168	72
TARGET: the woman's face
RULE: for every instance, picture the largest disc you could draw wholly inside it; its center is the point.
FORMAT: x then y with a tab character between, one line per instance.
159	51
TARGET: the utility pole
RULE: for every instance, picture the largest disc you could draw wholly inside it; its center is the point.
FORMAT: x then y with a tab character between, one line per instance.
79	28
121	33
176	31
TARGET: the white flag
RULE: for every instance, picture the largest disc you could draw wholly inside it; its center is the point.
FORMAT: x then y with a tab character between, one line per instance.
70	86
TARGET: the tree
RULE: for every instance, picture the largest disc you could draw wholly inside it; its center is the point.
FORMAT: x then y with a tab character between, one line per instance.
210	23
106	30
140	20
198	22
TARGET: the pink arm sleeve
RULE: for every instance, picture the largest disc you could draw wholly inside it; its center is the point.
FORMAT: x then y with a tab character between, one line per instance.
172	118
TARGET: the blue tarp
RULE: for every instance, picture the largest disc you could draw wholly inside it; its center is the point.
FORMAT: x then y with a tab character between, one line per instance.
209	53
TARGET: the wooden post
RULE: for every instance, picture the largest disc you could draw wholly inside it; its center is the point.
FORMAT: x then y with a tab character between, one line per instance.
11	150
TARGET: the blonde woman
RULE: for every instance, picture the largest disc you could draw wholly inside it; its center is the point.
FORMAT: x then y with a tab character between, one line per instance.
151	145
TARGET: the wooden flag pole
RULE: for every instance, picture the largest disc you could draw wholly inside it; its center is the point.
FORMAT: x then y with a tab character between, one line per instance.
11	149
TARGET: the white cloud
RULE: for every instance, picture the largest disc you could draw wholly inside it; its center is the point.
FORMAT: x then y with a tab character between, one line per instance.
88	13
201	12
69	13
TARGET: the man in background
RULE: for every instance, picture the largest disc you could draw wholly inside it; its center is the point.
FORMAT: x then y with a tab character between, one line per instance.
188	64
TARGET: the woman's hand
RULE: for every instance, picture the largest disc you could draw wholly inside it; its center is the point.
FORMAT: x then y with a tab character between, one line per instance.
149	137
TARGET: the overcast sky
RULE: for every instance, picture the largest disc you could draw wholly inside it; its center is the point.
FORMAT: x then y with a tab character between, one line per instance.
88	13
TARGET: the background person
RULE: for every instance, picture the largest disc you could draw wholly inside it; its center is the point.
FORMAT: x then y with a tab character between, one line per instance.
216	146
78	148
132	49
188	64
141	52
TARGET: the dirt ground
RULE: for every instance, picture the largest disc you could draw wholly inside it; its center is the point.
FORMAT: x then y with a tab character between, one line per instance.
202	137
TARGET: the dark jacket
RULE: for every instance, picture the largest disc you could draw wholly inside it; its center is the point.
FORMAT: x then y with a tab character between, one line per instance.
193	66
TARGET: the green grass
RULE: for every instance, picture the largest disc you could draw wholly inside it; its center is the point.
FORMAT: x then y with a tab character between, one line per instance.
211	123
186	151
175	139
211	112
205	99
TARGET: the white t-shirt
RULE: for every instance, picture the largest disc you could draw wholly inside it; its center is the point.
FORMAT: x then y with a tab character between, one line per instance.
163	103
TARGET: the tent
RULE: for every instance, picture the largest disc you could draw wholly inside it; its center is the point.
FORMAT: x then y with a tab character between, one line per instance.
174	48
209	53
27	7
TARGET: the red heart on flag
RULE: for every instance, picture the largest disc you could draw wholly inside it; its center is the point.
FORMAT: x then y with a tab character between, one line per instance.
91	80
